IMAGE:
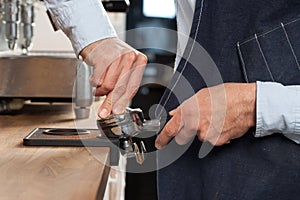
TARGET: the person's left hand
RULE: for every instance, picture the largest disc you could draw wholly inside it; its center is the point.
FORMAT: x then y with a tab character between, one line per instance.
118	71
217	114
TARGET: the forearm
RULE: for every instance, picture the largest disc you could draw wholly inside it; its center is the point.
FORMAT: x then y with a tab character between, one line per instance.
278	110
84	22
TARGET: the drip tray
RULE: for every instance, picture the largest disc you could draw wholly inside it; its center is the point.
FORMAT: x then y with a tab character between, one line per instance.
75	138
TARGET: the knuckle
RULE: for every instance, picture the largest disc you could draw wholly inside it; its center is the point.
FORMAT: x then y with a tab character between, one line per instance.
107	87
143	58
170	131
204	124
120	89
201	136
131	56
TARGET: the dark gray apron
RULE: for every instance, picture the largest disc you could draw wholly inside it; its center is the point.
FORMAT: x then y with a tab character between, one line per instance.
248	40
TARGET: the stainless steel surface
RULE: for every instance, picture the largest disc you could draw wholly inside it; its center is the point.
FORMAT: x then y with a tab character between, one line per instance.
46	78
27	21
37	76
82	112
124	127
83	91
41	75
138	155
11	20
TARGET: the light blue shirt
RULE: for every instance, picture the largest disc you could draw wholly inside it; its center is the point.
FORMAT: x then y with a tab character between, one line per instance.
84	22
278	110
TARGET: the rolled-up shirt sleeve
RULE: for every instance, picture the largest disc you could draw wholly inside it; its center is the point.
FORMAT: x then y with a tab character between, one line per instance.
278	110
84	22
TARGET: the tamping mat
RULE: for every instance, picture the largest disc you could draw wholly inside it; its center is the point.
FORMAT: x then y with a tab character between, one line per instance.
73	137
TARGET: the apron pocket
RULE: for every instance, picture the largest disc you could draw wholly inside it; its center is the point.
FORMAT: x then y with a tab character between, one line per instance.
273	55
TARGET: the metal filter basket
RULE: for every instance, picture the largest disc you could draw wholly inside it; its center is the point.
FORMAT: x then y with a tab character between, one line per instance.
125	126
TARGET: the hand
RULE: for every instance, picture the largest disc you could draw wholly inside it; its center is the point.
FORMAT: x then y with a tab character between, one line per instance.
118	70
217	114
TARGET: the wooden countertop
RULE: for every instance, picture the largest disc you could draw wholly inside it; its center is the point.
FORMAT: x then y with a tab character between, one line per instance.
49	172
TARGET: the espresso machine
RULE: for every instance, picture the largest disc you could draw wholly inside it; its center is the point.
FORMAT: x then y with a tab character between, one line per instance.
37	76
28	75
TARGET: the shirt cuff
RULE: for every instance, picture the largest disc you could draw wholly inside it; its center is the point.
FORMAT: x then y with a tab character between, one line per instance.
84	22
278	110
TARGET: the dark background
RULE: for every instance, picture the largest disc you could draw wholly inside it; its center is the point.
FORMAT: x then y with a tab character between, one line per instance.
143	185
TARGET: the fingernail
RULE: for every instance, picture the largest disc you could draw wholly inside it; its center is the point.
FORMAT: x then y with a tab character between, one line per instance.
118	110
172	112
103	113
157	145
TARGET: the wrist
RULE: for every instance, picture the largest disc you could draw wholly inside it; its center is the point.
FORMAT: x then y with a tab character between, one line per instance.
251	103
89	48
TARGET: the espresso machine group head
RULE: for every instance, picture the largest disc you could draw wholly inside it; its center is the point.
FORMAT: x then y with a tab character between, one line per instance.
18	20
18	17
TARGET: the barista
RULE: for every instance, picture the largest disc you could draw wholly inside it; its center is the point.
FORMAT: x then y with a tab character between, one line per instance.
118	68
243	168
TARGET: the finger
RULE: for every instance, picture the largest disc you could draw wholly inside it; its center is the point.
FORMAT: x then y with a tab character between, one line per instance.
172	112
96	79
100	59
132	87
119	94
109	80
121	86
169	131
191	125
185	135
136	75
106	107
98	75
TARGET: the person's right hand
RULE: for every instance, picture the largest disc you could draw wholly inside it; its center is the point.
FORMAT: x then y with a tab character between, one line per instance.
118	70
216	114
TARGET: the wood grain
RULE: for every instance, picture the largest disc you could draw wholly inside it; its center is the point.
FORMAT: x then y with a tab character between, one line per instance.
48	172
